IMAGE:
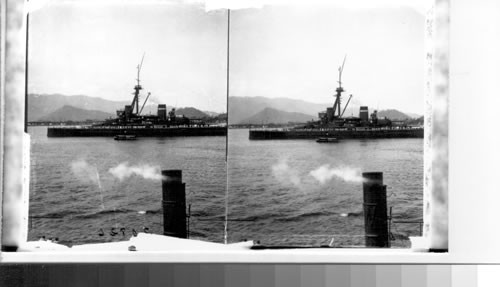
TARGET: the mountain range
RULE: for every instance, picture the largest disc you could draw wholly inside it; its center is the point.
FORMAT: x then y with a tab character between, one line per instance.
274	116
40	106
70	113
261	110
60	108
394	115
242	110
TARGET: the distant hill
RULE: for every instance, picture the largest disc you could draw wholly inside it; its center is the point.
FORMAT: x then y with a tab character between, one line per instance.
414	116
211	114
70	113
274	116
221	117
242	108
42	105
393	115
190	113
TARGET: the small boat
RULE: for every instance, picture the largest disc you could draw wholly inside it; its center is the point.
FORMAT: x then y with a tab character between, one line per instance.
327	140
125	137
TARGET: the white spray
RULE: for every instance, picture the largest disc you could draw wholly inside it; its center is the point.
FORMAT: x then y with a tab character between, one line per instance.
124	170
284	173
325	173
88	173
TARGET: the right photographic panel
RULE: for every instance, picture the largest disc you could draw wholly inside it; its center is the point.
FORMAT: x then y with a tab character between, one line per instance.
326	126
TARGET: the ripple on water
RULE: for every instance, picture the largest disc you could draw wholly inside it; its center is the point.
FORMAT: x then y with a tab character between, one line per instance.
270	207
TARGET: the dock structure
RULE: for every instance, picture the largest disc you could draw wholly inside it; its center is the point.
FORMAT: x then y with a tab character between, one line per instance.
139	131
366	133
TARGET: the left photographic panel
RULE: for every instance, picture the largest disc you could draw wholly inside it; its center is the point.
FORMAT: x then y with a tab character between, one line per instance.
126	110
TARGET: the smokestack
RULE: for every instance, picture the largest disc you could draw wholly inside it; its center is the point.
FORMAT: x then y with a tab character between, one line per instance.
162	112
375	210
363	113
128	110
174	204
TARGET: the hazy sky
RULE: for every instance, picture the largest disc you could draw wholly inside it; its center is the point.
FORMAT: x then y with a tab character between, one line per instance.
94	50
276	51
295	53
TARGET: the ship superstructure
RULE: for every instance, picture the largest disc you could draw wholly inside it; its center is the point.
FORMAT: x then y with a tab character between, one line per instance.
333	117
132	115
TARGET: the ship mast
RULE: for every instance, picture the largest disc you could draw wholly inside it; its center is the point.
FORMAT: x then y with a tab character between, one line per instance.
137	88
336	106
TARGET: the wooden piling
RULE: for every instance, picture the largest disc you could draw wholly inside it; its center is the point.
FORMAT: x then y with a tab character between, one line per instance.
174	204
375	210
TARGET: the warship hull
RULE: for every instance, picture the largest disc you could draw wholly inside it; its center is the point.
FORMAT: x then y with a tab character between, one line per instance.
137	131
374	133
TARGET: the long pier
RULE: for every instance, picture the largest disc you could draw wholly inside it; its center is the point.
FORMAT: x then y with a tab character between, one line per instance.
140	131
353	133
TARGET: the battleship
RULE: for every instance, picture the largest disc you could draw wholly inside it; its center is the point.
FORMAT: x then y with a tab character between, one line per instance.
333	124
131	123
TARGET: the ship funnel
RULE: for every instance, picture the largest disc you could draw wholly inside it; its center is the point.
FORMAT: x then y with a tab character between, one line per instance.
363	113
162	112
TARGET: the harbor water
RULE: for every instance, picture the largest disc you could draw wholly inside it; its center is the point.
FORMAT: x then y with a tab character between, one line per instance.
85	190
300	192
75	197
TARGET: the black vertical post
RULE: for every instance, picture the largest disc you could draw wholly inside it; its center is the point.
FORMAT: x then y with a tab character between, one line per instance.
26	75
174	204
375	210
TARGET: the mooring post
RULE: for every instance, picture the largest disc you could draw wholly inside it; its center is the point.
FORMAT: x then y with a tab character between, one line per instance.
174	204
375	210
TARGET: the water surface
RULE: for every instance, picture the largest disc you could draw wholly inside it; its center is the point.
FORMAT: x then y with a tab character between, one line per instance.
272	195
